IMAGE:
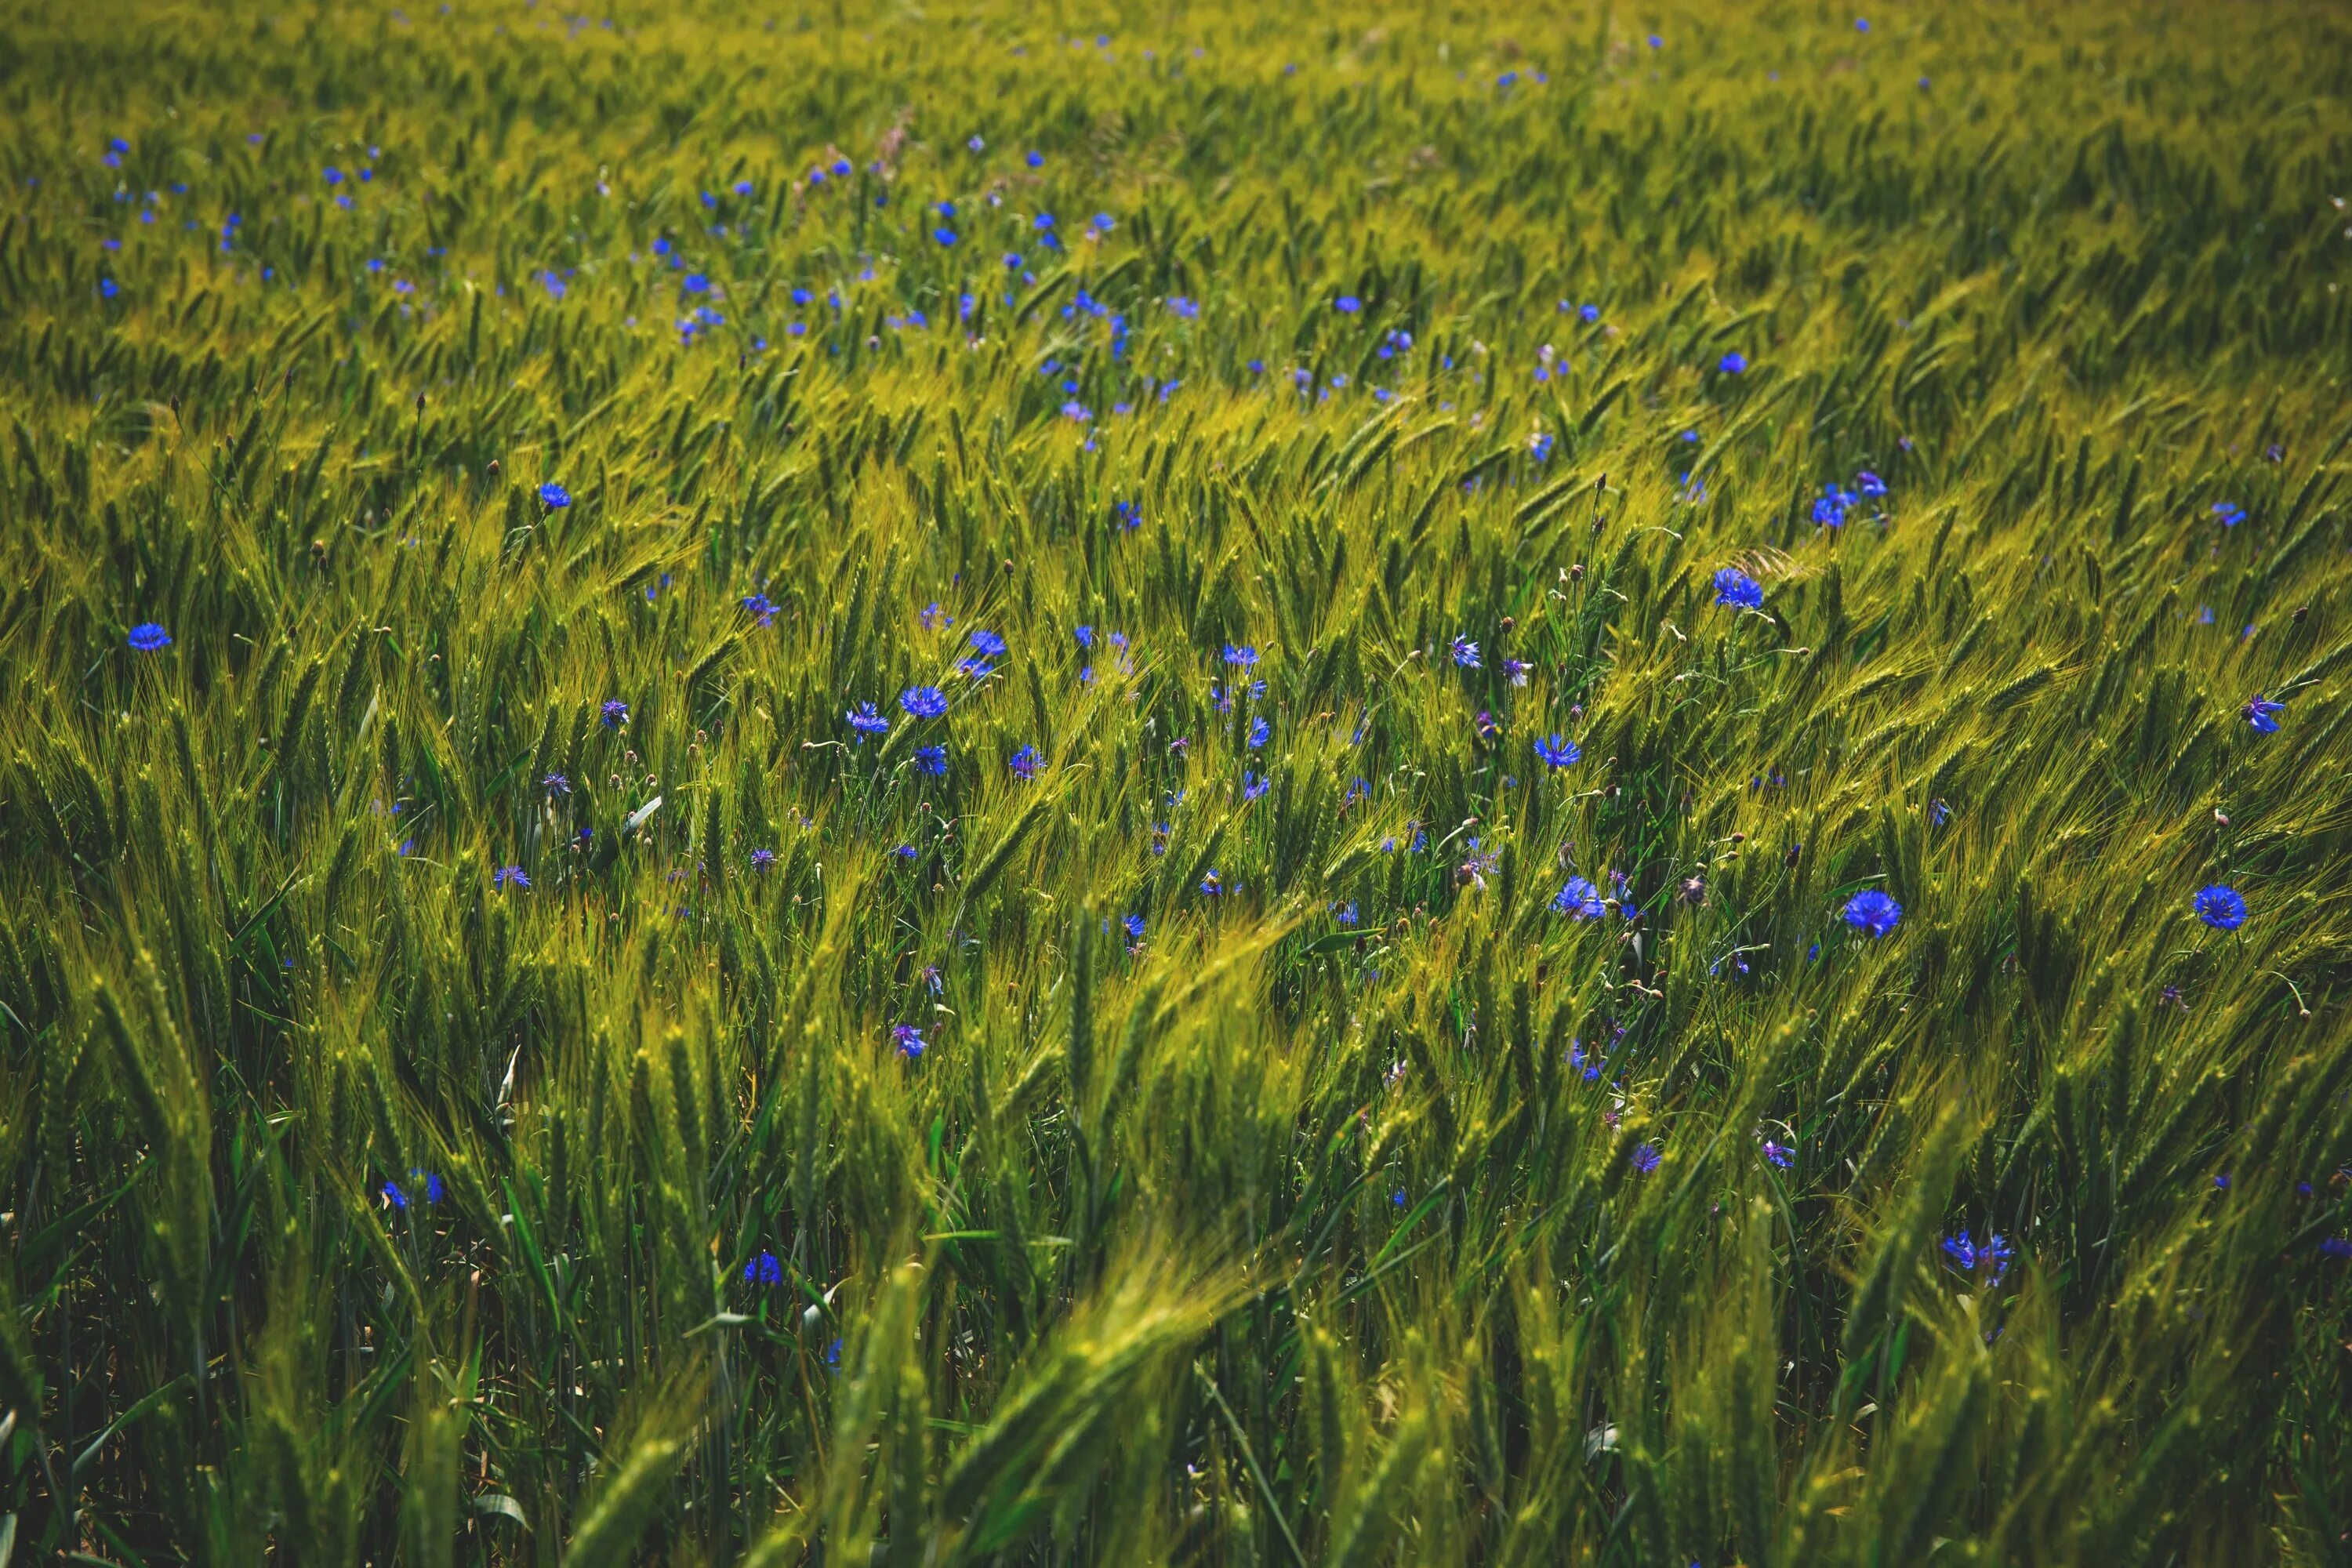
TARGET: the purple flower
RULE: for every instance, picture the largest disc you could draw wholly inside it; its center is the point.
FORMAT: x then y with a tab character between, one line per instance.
762	859
556	784
763	1270
615	711
2229	512
923	702
2258	713
1210	885
1347	304
149	637
762	606
908	1039
1245	654
932	760
510	876
1260	731
867	721
1646	1157
1466	653
1733	364
1872	913
1255	784
1781	1154
1133	926
554	495
1025	763
989	644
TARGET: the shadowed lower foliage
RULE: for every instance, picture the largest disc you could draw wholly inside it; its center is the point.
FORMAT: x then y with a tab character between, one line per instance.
1220	786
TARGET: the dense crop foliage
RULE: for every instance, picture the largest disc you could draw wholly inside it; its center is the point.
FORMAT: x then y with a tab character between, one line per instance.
1277	785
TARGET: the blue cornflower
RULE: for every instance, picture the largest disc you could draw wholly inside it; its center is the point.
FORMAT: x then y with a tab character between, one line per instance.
1347	304
764	1270
867	721
763	608
975	144
1733	364
433	1188
1246	655
2219	907
147	638
1872	913
333	175
1737	589
1085	636
1939	813
1869	484
989	644
1035	160
615	712
761	859
944	235
107	289
923	702
2258	713
932	760
1558	751
394	1196
908	1039
554	495
1646	1157
1588	313
1024	763
1260	732
556	784
1579	900
1128	516
1210	885
2229	512
1133	926
1970	1256
1255	786
1466	653
510	876
1781	1154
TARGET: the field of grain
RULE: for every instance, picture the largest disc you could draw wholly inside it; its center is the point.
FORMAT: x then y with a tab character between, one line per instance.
972	783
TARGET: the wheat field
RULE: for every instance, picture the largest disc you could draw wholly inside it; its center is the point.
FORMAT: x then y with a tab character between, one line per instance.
1192	784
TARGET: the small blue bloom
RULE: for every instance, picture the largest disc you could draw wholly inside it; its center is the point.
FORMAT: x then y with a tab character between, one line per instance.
988	643
2229	512
1133	926
1781	1154
2258	713
1579	900
867	721
615	712
1558	751
1260	731
908	1039
1872	913
923	702
2219	907
763	1270
1737	589
763	859
932	760
1969	1257
510	876
148	637
1024	763
1646	1157
1347	304
1210	884
1255	784
1245	654
1733	364
1466	653
554	495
